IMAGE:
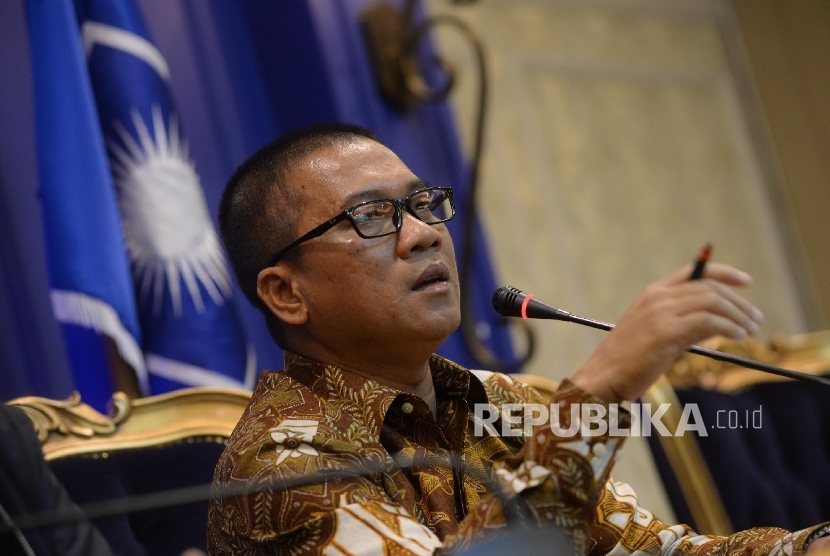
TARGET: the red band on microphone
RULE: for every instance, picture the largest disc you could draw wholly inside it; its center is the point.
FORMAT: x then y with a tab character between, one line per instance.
527	298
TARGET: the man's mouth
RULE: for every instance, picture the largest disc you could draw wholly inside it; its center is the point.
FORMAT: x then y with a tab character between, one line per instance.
437	273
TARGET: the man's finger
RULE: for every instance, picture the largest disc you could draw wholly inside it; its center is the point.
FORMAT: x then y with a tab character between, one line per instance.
709	297
739	301
700	325
727	274
719	272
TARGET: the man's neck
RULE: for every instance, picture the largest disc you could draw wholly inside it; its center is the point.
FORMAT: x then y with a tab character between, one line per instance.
424	388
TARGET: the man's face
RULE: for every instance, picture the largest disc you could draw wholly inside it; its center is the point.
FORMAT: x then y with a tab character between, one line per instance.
397	290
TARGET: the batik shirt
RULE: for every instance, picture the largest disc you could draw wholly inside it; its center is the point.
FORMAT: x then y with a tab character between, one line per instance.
324	461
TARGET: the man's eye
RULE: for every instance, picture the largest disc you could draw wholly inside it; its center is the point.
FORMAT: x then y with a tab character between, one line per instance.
372	214
365	217
422	202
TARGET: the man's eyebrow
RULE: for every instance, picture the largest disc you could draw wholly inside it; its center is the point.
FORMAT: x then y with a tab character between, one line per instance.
375	194
362	196
417	184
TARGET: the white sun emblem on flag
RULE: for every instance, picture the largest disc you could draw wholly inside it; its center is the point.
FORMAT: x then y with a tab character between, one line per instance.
169	234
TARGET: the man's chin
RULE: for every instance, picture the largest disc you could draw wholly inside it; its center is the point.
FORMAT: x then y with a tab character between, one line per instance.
433	319
440	329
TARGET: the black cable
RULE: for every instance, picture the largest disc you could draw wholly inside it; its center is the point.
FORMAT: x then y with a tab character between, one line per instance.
8	525
515	507
482	354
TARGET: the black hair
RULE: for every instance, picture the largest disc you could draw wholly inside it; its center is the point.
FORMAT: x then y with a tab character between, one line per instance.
258	212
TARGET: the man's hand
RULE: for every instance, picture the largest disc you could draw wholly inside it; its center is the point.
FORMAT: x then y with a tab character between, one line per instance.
819	547
665	320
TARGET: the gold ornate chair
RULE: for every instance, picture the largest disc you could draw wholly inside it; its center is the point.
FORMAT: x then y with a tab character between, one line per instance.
143	456
766	457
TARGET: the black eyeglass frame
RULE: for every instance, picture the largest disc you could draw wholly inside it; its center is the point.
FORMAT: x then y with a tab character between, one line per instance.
348	215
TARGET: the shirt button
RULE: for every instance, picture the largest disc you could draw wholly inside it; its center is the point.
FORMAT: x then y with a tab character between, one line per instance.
599	450
407	407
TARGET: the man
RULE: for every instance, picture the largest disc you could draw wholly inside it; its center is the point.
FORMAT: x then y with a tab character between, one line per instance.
28	486
366	442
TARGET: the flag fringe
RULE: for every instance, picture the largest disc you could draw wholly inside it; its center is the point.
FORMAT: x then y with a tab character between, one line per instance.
250	367
191	375
83	310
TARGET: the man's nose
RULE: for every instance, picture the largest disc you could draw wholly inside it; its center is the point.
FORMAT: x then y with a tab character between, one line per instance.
416	235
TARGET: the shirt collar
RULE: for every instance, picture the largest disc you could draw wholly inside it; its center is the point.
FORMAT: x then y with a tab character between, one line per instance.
331	382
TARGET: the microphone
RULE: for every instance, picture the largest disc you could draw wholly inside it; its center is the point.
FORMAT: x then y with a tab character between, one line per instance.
511	302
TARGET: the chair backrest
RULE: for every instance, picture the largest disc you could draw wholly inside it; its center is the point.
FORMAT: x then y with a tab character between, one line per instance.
144	448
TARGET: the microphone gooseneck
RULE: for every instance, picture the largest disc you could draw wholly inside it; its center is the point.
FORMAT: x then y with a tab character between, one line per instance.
512	302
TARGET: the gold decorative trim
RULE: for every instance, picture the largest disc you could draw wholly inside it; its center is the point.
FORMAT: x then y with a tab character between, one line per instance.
71	417
806	353
71	427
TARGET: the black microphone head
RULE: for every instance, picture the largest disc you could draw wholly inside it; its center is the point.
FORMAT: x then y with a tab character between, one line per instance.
511	302
507	301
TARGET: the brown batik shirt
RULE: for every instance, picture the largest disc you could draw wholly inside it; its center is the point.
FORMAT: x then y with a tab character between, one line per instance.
325	461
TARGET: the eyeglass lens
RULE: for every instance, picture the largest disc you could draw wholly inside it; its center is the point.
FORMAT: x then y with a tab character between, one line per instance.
380	217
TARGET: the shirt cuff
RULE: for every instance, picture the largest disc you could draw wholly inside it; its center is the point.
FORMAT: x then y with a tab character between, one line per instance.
583	435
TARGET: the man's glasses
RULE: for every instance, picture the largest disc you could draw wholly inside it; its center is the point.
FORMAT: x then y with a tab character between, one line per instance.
385	216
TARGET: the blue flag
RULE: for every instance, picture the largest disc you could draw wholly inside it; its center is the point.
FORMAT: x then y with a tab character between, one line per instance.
167	265
89	272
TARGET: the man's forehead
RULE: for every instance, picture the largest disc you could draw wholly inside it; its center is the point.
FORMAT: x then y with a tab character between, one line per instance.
332	157
374	193
359	169
345	155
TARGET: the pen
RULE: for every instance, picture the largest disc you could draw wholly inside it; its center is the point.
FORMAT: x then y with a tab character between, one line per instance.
700	262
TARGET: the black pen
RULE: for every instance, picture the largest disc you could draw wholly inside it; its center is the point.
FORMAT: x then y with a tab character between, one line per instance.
700	262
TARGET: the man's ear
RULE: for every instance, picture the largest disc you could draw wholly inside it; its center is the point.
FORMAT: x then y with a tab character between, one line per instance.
278	288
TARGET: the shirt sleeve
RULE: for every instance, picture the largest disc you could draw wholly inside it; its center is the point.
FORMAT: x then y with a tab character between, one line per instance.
558	474
622	527
562	477
28	486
